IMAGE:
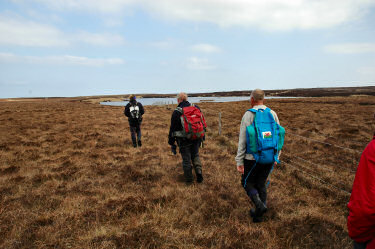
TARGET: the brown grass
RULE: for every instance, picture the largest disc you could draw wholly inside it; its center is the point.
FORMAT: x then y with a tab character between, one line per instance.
69	178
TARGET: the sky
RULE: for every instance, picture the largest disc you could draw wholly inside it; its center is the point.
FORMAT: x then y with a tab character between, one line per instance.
95	47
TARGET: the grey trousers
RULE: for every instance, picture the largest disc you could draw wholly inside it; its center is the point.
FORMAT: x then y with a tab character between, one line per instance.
189	150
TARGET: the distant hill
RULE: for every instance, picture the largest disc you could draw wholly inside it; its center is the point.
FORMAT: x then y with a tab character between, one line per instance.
301	92
298	92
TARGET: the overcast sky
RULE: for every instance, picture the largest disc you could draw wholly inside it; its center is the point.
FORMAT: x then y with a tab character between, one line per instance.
95	47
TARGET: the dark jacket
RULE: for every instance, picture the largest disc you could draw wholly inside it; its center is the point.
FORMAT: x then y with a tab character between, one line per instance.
176	122
134	122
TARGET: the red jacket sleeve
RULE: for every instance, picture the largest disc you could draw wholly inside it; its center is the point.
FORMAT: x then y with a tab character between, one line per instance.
361	220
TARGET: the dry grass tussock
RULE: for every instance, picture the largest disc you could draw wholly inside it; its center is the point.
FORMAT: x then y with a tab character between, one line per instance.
69	178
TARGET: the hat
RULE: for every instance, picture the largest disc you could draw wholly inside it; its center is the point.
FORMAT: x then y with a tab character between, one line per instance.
132	97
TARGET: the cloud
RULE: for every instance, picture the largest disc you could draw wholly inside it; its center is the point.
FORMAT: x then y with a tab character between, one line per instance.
196	63
14	83
172	44
98	6
98	39
28	33
205	48
167	44
60	60
351	48
265	14
367	71
21	32
113	22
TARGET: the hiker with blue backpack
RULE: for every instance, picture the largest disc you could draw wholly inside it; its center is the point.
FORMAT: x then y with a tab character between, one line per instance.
260	141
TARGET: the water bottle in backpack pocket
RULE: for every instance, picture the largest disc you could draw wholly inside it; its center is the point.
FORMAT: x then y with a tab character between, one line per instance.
264	137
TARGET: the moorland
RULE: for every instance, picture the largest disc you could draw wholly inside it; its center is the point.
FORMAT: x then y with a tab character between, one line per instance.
69	177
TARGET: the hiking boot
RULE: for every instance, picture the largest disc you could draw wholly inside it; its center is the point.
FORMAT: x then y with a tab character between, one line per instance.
188	176
263	195
199	178
134	145
188	182
252	212
139	143
260	208
257	219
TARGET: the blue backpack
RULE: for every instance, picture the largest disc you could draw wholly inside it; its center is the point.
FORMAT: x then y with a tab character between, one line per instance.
264	137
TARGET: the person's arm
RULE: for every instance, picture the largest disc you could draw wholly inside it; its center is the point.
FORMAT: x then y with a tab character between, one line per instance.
362	199
277	121
174	126
127	111
369	158
141	109
247	119
275	117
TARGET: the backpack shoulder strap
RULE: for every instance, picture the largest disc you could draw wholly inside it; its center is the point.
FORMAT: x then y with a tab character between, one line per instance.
179	109
252	110
270	115
256	110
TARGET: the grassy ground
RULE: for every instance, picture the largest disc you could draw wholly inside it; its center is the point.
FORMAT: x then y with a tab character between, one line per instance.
69	178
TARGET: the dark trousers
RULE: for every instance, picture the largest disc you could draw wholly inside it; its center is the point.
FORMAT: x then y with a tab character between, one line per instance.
254	179
189	150
359	245
135	131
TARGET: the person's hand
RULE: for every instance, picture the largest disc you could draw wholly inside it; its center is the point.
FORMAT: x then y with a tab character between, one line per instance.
240	169
173	149
274	165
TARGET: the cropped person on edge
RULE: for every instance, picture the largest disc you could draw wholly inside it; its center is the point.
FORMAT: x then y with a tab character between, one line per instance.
251	163
134	111
361	219
188	141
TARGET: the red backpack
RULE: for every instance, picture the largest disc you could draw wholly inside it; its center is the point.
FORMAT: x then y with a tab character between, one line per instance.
193	123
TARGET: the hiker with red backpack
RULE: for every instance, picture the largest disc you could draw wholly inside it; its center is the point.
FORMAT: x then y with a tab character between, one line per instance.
260	141
134	111
187	129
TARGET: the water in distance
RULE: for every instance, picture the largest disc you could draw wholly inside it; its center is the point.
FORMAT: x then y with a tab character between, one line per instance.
166	101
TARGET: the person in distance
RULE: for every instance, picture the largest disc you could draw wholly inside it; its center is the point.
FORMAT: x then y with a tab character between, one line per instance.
134	111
